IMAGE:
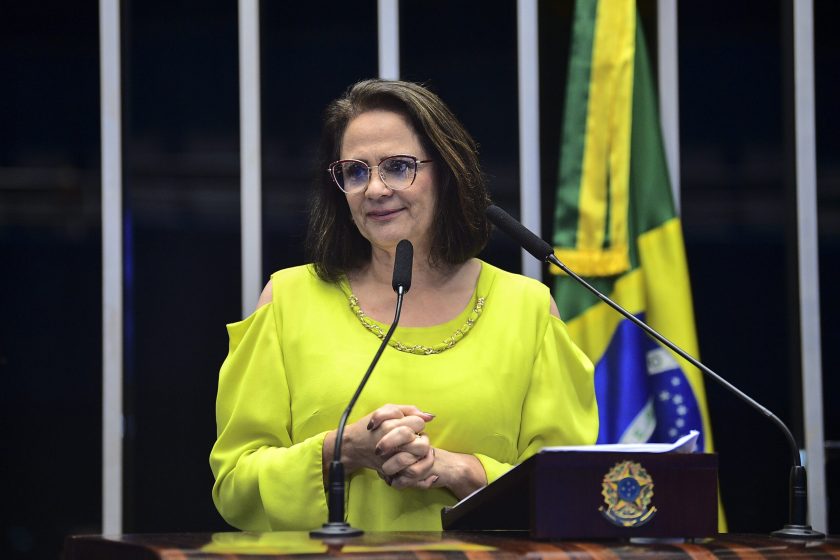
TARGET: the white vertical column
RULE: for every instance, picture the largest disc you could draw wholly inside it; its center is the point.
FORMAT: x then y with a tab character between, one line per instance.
388	25
529	126
112	264
250	157
809	289
669	90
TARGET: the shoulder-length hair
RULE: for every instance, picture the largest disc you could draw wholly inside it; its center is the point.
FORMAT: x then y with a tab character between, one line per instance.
460	230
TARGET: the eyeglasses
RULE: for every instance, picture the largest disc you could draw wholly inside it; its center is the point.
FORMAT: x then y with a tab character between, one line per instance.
397	172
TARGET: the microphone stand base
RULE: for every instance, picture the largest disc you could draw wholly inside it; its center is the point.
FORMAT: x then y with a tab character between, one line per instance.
335	529
797	532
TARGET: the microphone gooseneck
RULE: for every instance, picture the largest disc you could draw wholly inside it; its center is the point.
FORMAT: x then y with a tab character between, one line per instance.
335	525
797	528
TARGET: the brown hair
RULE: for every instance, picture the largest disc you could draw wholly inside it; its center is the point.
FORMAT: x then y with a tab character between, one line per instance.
460	231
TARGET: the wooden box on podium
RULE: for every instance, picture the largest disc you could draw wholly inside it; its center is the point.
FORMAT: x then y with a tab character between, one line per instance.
597	495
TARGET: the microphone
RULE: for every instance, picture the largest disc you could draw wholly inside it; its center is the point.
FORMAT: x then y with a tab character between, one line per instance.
335	525
401	281
796	528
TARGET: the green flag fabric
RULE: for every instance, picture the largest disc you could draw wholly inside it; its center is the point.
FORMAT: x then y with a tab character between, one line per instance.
616	225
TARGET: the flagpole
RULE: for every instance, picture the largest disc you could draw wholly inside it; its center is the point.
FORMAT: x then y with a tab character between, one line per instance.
388	32
529	125
250	157
669	91
112	266
808	239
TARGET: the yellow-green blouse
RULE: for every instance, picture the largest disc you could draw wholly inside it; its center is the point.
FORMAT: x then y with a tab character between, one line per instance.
512	384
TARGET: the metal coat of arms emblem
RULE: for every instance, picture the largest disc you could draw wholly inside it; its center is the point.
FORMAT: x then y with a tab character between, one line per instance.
628	490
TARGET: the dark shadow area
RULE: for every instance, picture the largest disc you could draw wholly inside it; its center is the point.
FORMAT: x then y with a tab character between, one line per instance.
50	287
181	250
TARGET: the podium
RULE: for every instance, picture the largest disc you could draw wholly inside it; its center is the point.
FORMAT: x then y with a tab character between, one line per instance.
597	495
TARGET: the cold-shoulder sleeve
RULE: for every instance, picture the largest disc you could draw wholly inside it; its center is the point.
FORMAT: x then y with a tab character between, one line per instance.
264	480
560	406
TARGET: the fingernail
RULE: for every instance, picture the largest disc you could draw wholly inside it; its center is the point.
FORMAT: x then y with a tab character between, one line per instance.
437	477
370	424
430	414
378	450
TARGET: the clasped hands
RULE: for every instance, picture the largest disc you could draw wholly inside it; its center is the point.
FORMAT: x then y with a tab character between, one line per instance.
391	441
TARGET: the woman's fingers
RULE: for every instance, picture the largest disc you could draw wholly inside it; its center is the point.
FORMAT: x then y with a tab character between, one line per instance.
393	441
394	412
373	439
384	412
399	462
413	423
406	456
403	438
419	446
417	475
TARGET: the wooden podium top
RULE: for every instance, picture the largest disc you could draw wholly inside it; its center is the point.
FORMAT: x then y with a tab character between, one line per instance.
429	545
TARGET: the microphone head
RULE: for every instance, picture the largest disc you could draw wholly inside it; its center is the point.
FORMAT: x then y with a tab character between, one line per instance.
402	266
522	235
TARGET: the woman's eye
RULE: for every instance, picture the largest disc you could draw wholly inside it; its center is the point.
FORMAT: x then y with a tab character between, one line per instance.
355	171
399	166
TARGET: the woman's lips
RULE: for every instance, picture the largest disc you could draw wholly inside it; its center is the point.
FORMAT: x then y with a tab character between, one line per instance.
383	215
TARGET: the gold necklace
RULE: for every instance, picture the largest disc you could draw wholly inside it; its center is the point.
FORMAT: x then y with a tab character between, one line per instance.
419	349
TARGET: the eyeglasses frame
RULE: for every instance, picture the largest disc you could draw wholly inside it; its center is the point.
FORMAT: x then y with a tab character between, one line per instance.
370	168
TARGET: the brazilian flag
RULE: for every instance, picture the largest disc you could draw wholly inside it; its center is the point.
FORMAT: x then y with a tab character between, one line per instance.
615	225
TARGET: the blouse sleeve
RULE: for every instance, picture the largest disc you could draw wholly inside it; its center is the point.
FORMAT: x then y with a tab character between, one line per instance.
264	481
560	406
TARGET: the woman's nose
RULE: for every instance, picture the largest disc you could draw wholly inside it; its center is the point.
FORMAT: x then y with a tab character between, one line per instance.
376	186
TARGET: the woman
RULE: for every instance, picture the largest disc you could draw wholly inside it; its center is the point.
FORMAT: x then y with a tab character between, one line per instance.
481	362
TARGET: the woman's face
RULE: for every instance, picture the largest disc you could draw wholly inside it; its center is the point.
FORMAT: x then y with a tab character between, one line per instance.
384	216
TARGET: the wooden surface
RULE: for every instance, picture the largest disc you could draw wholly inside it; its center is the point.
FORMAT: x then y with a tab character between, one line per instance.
428	546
